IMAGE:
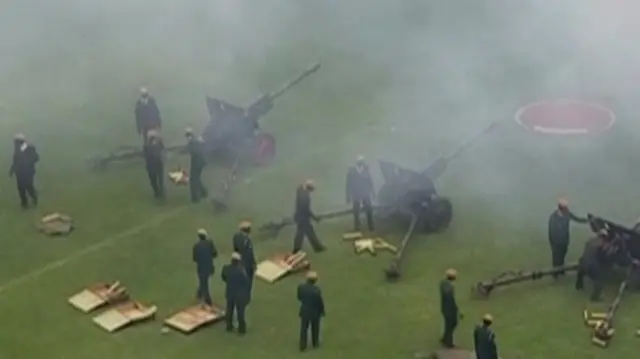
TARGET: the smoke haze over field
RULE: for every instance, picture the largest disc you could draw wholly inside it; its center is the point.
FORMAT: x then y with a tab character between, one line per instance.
438	71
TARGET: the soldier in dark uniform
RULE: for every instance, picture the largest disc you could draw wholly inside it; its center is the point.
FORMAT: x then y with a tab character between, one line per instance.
153	151
311	311
485	340
593	263
449	307
23	167
303	216
195	146
147	114
360	192
204	252
559	233
242	244
236	292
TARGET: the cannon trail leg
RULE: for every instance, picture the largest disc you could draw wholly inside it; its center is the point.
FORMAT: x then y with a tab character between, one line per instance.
393	271
483	289
603	330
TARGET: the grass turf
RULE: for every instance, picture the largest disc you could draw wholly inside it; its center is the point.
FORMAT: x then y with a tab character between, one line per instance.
502	191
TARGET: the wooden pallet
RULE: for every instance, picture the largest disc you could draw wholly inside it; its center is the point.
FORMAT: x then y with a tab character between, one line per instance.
125	314
194	317
280	265
98	295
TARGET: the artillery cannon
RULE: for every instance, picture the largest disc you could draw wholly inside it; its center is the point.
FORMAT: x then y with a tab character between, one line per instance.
621	251
232	133
407	197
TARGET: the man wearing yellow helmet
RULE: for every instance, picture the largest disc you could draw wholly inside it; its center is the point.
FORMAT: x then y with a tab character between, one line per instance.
449	307
311	311
485	340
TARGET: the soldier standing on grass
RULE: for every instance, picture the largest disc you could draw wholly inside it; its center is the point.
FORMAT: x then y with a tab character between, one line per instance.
559	233
153	152
303	216
360	192
485	340
311	311
195	146
23	167
236	292
449	307
204	252
242	245
147	114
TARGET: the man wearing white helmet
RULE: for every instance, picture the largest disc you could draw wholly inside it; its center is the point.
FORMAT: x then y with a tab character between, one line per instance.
303	216
559	233
236	292
153	153
23	167
204	252
360	192
195	146
147	114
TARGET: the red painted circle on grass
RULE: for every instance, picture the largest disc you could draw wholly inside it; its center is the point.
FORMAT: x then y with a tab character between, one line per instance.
565	117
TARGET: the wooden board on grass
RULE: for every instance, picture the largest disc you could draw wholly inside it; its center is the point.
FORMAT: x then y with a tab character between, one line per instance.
194	317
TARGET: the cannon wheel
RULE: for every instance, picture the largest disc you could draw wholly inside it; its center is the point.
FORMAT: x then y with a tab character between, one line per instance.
264	148
438	215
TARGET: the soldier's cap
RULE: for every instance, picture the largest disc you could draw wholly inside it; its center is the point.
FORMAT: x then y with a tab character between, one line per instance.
487	318
603	232
19	136
236	256
309	184
563	203
188	131
144	91
202	232
152	133
312	275
451	273
360	159
244	225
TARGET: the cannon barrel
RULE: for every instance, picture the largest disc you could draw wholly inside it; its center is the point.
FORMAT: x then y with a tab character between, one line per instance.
285	87
437	167
393	272
263	104
484	288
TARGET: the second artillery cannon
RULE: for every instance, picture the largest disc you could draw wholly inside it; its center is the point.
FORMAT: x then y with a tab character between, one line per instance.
622	250
408	198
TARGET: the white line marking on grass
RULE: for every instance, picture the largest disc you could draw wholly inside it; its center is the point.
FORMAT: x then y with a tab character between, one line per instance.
111	240
106	242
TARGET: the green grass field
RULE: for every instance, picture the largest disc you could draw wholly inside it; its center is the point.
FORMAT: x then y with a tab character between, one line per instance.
70	86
